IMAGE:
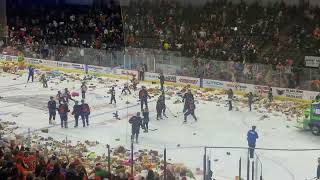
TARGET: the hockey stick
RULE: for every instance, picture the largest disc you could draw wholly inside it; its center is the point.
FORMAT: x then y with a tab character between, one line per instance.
174	115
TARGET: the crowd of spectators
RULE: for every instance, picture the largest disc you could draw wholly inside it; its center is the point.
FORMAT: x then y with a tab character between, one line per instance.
40	27
22	163
225	31
218	30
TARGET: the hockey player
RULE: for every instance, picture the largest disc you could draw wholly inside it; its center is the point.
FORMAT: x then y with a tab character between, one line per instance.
44	81
85	112
230	98
52	107
252	137
125	89
187	98
159	108
113	96
76	112
30	73
136	123
67	95
270	95
190	110
59	97
161	78
163	104
146	120
250	100
84	89
63	112
134	82
143	96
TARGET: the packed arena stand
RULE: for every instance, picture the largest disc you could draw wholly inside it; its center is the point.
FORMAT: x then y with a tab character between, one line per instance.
19	162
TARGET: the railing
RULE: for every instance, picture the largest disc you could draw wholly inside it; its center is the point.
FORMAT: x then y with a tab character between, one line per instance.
220	162
173	63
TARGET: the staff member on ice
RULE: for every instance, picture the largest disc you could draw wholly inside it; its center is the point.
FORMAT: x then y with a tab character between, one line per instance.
161	78
85	112
113	96
252	137
136	123
52	107
84	89
76	112
230	98
250	100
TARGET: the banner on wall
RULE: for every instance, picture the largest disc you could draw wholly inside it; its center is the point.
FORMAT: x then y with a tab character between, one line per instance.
2	57
64	65
126	72
188	80
77	66
294	93
237	86
310	95
170	78
312	61
11	58
49	63
261	89
208	83
33	61
151	76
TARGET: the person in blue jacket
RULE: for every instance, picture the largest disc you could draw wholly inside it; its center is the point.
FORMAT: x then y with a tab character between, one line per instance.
252	137
31	73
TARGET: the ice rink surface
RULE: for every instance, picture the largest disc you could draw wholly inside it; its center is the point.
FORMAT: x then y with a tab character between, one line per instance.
26	105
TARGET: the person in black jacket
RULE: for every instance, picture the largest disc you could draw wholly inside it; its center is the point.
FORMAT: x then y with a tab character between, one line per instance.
163	104
52	107
143	96
85	112
136	123
84	90
67	95
113	96
76	112
145	120
125	89
187	98
161	78
159	108
230	98
190	110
